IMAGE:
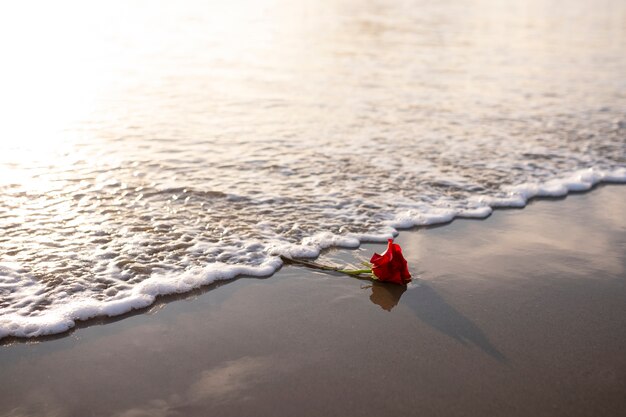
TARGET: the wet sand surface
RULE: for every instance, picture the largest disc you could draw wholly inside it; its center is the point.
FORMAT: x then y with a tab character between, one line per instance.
521	314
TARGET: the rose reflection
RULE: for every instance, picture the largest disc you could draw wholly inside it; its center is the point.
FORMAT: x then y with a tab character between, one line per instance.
386	296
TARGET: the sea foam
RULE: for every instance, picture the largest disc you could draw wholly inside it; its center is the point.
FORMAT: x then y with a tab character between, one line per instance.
63	317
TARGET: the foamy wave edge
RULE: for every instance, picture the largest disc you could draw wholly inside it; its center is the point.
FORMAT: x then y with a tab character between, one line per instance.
64	318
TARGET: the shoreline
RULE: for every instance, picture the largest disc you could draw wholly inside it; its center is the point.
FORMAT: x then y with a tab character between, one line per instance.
162	299
519	314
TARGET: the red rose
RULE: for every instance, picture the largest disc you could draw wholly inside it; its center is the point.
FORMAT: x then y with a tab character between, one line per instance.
391	265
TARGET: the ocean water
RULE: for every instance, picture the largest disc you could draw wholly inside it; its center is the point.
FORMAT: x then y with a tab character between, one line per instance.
153	147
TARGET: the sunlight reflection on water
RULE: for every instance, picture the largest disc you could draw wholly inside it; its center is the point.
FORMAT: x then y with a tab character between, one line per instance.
152	137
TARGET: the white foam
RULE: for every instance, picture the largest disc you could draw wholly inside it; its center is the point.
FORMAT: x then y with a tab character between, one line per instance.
515	196
64	315
583	180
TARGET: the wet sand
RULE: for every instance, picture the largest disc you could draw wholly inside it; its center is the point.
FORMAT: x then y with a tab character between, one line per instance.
521	314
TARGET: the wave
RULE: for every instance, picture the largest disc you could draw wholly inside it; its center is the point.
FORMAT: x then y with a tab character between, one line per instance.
61	318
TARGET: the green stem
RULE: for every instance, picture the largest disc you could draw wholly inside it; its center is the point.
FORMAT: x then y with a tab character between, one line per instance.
352	272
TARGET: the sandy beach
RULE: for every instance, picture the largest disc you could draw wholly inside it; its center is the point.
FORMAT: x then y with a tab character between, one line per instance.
521	314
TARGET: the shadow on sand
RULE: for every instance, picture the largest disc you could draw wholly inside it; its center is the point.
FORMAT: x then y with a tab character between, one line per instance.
433	310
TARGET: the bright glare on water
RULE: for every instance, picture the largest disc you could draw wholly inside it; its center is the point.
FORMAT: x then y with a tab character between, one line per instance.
148	147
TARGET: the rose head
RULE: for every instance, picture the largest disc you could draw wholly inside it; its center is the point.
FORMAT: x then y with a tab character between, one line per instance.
391	265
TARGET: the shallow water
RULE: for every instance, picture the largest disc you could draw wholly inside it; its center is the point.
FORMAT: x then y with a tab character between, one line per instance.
152	148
